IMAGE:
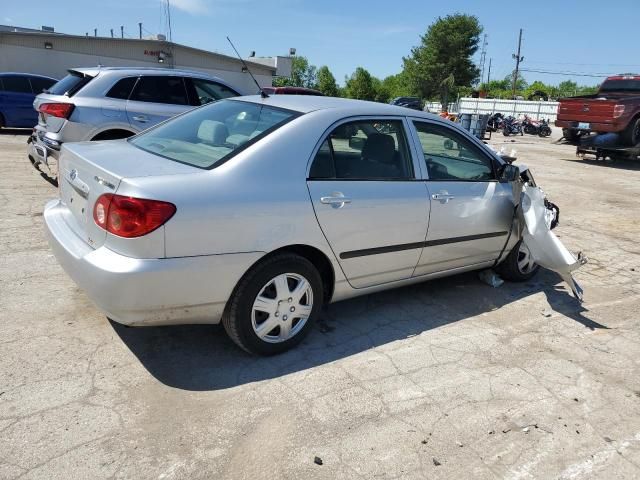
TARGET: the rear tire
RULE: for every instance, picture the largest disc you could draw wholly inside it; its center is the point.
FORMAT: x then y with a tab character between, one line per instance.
261	316
518	266
571	134
631	135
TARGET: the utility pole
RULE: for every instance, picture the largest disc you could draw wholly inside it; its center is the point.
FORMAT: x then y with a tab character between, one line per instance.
483	57
95	32
489	74
518	59
112	33
140	29
121	31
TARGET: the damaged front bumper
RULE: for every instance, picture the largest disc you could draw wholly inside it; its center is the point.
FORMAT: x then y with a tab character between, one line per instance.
538	217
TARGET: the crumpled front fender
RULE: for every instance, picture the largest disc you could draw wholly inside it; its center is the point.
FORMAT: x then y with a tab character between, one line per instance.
546	249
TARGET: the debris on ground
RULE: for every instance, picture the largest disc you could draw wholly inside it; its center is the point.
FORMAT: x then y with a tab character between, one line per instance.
459	444
317	460
436	462
546	313
491	278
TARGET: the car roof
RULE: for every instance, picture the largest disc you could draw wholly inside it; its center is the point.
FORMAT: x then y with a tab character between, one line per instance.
93	71
4	74
309	103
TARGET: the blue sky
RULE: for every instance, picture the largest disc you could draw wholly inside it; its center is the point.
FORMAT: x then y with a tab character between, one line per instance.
580	37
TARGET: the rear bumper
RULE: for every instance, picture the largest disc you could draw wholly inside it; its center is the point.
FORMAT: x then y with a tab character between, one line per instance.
593	127
146	291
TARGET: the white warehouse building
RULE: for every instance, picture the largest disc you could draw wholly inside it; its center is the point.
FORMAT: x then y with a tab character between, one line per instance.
52	54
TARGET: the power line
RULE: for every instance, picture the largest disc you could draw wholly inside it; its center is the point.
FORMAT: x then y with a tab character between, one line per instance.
576	74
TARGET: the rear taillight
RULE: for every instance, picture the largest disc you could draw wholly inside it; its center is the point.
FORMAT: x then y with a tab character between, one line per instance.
618	110
61	110
130	217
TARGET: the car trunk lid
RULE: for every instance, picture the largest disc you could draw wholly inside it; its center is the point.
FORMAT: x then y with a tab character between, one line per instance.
90	169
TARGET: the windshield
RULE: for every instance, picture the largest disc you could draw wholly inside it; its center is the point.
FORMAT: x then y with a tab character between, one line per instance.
621	86
208	136
69	85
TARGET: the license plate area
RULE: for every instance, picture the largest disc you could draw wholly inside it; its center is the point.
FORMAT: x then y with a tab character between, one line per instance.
584	126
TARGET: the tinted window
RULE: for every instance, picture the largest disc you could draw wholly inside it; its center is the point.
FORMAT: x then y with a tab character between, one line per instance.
206	137
628	85
450	156
156	89
15	83
371	149
207	91
39	84
122	88
69	85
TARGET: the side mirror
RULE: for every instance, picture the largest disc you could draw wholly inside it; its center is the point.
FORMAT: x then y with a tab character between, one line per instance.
356	143
508	173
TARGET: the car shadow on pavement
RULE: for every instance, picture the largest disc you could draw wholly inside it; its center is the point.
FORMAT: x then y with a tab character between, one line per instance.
16	131
202	357
621	164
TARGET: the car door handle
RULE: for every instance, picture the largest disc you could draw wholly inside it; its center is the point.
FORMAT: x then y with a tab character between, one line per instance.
336	200
443	197
140	118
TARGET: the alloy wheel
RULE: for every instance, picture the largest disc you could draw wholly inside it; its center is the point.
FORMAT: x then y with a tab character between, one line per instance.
282	307
525	261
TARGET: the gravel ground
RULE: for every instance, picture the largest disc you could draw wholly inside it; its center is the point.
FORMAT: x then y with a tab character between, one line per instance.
446	379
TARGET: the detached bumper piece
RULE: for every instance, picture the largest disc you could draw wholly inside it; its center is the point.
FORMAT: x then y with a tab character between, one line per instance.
547	250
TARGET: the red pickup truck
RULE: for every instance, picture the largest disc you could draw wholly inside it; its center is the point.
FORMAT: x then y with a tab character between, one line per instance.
615	108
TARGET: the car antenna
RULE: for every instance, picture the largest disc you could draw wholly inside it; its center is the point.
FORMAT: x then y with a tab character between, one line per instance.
263	94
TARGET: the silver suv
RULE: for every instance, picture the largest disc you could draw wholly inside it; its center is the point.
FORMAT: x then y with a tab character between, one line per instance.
111	103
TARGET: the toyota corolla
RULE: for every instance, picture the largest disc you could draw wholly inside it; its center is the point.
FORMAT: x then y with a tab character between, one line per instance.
255	212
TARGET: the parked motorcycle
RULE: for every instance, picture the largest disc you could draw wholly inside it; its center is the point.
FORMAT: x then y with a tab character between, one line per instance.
544	130
511	127
495	122
535	127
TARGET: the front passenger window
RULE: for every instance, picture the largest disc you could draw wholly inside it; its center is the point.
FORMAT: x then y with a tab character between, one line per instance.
450	156
364	150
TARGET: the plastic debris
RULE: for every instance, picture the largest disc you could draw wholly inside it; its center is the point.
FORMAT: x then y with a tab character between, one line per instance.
436	462
490	277
317	460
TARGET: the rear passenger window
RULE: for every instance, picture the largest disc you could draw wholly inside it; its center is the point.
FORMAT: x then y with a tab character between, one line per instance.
207	91
40	84
15	83
364	150
157	89
122	88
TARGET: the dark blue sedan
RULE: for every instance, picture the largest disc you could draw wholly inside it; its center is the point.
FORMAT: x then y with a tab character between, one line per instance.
17	92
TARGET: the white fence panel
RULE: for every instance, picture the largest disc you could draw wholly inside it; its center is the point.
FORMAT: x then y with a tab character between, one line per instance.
517	108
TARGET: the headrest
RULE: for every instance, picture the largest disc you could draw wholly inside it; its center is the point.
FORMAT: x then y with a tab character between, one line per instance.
379	147
211	131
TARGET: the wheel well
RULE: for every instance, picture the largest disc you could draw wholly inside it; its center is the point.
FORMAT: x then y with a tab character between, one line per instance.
319	260
114	134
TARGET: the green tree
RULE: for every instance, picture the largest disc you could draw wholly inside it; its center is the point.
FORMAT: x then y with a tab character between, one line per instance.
445	52
536	90
396	86
360	85
567	88
302	75
327	82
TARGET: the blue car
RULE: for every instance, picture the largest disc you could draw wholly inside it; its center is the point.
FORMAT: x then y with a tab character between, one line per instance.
17	92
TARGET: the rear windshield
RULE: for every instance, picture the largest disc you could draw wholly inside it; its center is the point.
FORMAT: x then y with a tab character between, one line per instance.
620	86
69	85
210	135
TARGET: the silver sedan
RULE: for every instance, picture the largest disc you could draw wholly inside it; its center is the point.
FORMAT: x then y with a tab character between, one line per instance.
255	212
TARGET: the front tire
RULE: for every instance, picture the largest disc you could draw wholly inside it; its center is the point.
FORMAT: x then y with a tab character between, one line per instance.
275	305
518	266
